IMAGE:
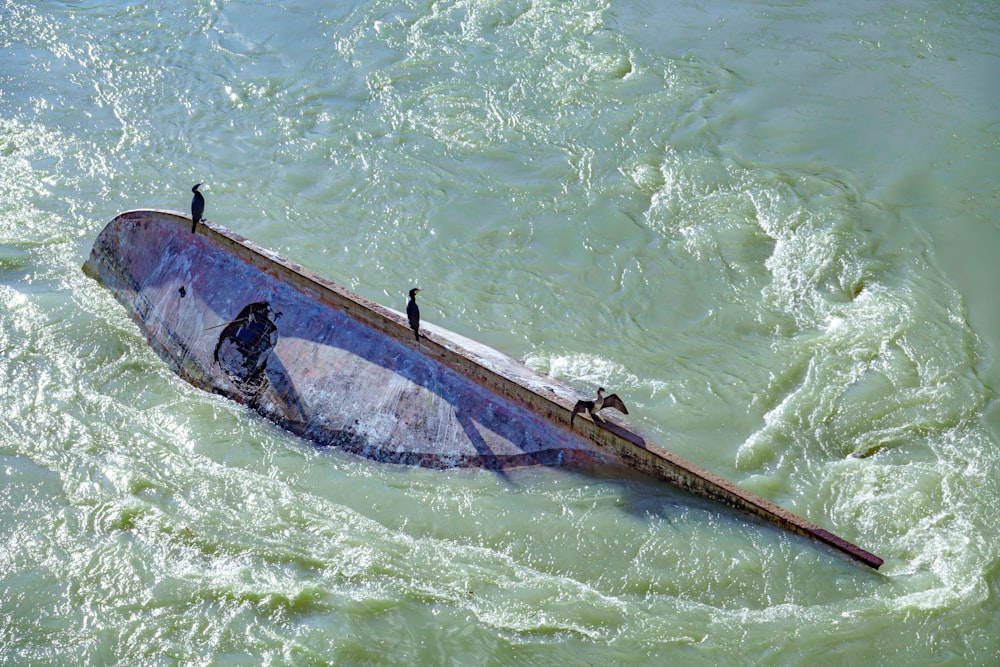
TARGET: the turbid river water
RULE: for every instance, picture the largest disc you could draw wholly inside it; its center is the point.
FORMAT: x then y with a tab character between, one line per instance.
771	227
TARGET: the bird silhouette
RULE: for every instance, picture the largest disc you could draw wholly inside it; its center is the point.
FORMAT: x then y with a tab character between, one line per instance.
598	404
413	313
197	207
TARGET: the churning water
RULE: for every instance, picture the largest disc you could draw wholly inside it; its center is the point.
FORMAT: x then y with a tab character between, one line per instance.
771	227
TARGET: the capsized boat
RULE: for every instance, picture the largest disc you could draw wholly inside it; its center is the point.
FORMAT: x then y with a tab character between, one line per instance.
236	319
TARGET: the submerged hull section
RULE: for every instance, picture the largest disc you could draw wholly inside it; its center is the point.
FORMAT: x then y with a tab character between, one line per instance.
229	327
232	318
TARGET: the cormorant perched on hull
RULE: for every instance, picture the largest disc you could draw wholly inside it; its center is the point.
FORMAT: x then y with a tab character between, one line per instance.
197	207
413	313
598	404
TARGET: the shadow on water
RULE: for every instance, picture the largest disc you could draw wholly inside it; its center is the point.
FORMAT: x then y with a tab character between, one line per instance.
728	533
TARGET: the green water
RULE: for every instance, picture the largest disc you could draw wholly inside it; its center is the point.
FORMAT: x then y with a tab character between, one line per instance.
770	227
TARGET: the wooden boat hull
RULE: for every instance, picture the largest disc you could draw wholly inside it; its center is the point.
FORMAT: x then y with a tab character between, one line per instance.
233	318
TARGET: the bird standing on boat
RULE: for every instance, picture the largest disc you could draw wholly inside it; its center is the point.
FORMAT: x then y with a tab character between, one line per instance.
413	313
197	207
598	404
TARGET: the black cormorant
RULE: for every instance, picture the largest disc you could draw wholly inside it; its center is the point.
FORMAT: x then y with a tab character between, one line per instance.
598	404
413	313
197	207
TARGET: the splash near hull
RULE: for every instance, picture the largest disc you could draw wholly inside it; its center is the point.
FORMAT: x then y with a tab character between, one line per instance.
233	318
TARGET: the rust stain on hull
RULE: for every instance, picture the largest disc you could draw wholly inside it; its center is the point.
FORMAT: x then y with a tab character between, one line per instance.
233	318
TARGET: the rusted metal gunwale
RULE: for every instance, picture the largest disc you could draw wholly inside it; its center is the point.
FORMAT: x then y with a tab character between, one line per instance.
506	377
